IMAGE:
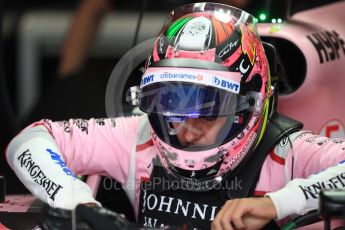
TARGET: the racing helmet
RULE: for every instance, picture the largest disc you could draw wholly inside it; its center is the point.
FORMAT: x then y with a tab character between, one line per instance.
207	66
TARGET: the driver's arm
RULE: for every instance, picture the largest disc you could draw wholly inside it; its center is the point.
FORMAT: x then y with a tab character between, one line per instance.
47	156
37	161
315	163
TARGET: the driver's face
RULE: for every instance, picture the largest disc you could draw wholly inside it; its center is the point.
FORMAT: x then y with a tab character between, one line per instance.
199	131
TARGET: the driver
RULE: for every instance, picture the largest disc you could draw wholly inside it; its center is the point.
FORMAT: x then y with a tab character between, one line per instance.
209	152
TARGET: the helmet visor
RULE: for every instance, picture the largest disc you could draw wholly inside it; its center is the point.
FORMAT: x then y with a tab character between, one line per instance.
187	100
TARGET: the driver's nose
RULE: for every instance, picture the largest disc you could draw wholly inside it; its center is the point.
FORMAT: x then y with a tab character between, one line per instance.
192	131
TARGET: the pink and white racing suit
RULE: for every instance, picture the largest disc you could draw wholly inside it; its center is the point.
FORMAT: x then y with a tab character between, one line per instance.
47	155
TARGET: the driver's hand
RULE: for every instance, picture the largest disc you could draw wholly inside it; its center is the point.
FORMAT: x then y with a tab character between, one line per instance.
246	213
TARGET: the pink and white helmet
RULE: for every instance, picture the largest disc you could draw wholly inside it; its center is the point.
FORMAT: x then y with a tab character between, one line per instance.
208	62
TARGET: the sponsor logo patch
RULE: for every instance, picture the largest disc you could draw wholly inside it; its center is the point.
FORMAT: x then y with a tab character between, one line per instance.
38	175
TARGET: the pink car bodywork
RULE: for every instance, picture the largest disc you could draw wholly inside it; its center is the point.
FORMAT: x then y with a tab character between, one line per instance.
318	37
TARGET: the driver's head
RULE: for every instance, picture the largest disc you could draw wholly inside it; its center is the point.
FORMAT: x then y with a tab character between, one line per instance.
205	90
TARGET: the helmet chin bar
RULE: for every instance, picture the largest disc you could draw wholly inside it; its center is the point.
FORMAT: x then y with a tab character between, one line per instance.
193	181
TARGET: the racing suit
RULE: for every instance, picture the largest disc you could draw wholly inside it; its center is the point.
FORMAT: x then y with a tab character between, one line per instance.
47	156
